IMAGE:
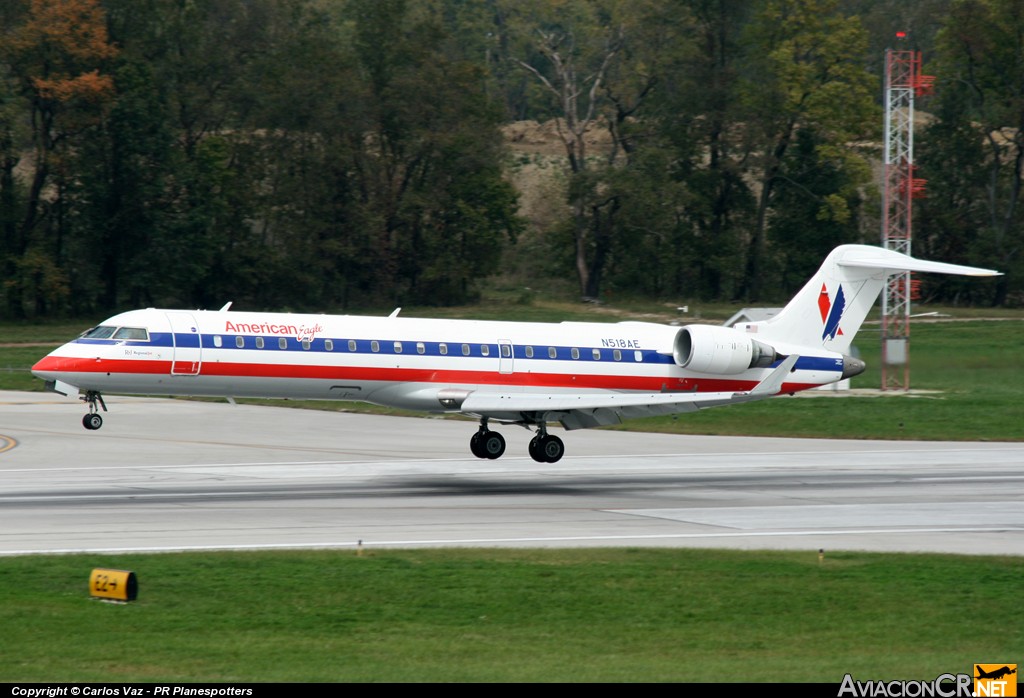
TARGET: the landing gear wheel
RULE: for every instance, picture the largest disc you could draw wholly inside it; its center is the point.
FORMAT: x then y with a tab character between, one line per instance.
475	445
94	400
487	444
534	449
492	444
552	448
545	448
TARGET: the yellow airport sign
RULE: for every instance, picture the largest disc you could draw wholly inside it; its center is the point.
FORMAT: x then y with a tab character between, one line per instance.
119	585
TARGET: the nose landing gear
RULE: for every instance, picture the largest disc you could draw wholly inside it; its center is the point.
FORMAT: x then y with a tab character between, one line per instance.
93	420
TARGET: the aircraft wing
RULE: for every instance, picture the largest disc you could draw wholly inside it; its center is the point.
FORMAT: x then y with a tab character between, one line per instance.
578	411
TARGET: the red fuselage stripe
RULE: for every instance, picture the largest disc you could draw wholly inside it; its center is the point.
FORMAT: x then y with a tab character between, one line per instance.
360	374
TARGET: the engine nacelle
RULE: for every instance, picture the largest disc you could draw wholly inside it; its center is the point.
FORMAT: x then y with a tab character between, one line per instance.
711	349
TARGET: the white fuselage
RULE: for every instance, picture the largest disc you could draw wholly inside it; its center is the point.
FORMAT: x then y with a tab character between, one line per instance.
402	362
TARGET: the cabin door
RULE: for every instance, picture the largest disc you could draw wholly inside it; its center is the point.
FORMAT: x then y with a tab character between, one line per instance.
188	344
505	357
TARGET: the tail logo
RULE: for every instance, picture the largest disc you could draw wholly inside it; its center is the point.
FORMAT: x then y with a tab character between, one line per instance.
831	312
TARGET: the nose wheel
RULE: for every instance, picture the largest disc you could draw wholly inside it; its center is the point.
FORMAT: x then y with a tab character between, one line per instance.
93	420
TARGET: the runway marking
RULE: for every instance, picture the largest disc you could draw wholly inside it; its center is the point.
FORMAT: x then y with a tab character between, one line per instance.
369	545
7	443
970	478
554	469
273	464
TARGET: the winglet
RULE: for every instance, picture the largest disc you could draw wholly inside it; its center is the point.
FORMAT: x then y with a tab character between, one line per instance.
773	383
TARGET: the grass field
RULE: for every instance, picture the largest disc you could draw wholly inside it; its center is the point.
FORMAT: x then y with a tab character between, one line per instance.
492	615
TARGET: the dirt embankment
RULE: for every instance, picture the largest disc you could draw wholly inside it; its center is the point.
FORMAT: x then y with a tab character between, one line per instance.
538	168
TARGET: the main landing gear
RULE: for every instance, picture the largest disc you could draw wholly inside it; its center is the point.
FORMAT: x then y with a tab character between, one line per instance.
486	443
93	420
544	447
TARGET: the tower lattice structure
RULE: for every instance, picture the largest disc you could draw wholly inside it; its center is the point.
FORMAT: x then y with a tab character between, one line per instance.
903	81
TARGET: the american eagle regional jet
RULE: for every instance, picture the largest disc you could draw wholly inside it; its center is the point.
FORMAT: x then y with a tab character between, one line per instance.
580	374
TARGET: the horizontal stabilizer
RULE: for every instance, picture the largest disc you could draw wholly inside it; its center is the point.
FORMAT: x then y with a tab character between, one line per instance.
879	258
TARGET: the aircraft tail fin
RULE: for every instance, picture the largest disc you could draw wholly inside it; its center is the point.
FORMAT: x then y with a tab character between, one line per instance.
829	310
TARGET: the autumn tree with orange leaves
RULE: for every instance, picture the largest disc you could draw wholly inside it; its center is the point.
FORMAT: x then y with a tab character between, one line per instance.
56	58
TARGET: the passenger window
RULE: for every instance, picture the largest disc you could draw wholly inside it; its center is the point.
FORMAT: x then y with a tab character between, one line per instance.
305	344
282	343
617	354
529	352
420	348
375	346
217	341
442	348
259	342
398	347
329	344
552	353
638	356
465	350
506	351
485	350
597	354
575	353
352	345
239	341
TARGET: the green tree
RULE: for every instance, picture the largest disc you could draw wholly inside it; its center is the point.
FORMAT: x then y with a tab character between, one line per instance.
426	157
817	207
980	70
804	71
701	121
598	65
383	178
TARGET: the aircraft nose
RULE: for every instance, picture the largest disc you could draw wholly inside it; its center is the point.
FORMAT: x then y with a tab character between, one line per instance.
57	363
47	366
852	367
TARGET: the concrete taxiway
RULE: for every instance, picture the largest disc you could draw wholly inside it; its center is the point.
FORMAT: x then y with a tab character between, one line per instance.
183	475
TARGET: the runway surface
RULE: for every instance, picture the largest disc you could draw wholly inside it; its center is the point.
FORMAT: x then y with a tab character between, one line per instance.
180	475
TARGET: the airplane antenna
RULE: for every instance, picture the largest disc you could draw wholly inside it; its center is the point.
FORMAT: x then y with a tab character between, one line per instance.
226	306
903	81
395	312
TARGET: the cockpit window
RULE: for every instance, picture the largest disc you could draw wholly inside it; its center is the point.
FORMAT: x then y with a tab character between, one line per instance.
99	332
133	333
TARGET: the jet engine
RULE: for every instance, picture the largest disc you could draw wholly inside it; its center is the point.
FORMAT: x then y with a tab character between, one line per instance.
711	349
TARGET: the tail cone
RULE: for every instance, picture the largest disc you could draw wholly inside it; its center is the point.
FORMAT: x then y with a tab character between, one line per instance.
852	367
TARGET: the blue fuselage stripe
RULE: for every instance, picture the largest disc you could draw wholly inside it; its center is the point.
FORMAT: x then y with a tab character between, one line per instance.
454	349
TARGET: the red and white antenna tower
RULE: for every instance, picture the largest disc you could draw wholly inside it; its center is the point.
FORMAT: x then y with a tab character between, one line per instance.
903	81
